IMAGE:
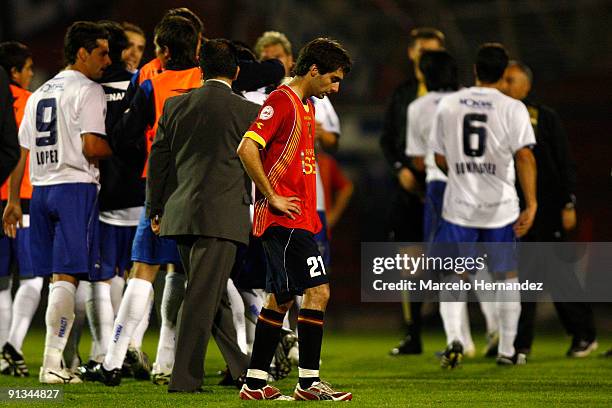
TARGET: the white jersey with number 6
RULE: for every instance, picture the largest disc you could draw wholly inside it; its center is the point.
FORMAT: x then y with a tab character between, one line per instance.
479	130
56	115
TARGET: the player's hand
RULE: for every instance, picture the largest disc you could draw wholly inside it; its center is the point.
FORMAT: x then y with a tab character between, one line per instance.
568	218
407	180
156	224
12	219
287	205
525	221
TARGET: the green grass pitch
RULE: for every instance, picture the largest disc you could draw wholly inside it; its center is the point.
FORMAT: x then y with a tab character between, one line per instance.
358	362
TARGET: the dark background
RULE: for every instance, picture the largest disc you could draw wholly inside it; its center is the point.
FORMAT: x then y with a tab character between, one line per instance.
567	44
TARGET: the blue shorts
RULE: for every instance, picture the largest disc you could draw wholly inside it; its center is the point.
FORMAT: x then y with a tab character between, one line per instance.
150	249
323	240
17	249
433	209
499	244
115	249
64	230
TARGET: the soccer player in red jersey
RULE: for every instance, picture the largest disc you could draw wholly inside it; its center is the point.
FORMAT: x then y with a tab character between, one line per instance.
278	154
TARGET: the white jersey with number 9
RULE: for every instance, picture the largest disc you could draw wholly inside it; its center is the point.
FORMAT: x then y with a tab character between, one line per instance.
56	115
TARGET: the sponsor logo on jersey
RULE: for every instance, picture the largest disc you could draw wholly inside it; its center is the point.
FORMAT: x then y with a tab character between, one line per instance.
474	103
266	113
115	96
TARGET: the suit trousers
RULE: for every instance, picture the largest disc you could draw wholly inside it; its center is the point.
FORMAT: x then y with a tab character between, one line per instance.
208	262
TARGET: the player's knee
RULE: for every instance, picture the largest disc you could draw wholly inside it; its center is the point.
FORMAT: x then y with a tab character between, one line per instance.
317	297
144	271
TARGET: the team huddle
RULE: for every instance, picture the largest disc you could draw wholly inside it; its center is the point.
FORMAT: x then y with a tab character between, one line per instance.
97	136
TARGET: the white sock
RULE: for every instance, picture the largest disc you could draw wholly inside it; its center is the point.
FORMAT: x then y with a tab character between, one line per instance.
253	302
452	313
133	308
509	310
486	300
237	306
59	319
6	303
71	351
174	292
143	325
101	316
117	286
466	333
25	304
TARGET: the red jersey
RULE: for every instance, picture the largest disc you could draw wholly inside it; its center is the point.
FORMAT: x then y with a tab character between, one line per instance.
20	97
285	128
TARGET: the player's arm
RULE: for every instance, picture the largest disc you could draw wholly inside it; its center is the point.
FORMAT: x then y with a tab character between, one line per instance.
328	140
441	163
415	146
567	172
248	151
13	214
343	192
526	169
95	147
129	132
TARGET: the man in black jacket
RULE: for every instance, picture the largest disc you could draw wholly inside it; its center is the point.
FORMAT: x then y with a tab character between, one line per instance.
556	214
405	223
198	189
9	145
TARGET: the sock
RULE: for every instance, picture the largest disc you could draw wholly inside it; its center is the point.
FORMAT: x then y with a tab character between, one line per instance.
59	319
253	302
466	333
71	351
267	336
117	286
174	292
310	326
141	329
237	306
25	304
487	305
101	317
133	308
451	313
6	303
509	310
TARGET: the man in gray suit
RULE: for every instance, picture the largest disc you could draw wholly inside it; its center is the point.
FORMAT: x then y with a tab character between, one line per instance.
198	194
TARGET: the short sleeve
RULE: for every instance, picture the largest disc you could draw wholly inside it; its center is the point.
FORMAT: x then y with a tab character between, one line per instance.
326	115
436	137
93	110
26	132
277	109
521	131
416	143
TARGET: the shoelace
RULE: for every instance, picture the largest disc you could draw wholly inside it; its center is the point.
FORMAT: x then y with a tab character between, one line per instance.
326	387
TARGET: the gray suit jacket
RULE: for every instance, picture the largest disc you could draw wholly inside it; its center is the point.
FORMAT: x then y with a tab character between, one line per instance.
196	180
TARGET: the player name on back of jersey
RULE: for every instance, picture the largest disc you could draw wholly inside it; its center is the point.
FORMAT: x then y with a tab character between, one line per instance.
475	168
45	157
